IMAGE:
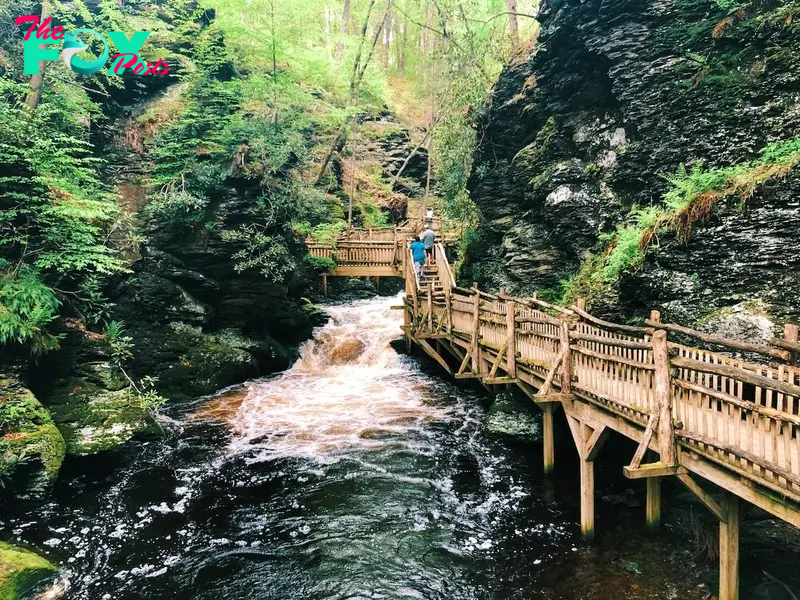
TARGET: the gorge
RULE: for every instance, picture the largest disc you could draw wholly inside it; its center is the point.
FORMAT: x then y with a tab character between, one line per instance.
182	411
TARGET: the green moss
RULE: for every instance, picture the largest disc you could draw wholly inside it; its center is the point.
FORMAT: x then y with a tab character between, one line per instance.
691	198
20	570
92	419
531	154
28	433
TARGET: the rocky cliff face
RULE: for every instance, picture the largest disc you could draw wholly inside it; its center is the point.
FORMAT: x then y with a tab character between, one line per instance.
617	96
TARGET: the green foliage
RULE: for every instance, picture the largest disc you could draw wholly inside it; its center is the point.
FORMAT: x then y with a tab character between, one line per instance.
626	243
372	216
261	251
26	306
321	264
691	198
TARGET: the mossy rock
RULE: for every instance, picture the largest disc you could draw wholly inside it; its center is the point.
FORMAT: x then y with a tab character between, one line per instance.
20	570
513	417
31	447
93	419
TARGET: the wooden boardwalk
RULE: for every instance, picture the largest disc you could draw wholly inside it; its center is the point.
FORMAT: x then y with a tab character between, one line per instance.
708	417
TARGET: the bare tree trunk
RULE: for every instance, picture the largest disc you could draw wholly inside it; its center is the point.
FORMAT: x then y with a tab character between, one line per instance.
513	24
388	31
343	31
328	30
355	86
37	81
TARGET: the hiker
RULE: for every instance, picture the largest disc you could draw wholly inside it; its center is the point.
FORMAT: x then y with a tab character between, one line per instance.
428	238
418	254
429	218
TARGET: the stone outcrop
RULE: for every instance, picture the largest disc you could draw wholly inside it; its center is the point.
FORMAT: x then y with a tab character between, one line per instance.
20	570
31	447
616	97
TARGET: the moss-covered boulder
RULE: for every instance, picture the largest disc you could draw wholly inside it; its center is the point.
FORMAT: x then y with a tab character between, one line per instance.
93	419
20	570
196	363
514	417
31	447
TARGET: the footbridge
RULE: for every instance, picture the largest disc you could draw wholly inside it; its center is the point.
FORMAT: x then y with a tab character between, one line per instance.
727	429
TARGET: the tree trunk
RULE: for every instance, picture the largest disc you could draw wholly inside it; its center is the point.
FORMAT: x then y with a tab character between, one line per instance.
355	84
513	24
387	38
343	31
37	81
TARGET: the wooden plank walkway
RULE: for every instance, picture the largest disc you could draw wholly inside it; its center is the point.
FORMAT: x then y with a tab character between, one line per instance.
708	417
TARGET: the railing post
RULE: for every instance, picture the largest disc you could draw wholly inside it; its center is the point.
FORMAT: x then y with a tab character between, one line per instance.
511	325
790	333
476	331
663	395
430	307
448	300
566	363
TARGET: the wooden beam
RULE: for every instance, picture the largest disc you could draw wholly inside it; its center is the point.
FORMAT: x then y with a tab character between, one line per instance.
707	499
645	443
596	442
719	340
552	398
549	439
587	487
496	365
566	360
463	364
545	389
780	507
653	470
476	330
434	355
500	380
511	316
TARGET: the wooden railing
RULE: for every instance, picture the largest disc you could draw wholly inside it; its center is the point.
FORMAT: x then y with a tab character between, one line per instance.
690	404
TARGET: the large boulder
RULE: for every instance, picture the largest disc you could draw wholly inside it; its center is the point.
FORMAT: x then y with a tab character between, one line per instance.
31	447
21	570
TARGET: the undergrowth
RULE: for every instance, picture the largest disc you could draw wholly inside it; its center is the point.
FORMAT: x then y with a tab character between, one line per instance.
693	195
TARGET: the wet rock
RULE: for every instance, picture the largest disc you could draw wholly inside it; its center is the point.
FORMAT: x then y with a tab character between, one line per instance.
31	447
606	110
512	416
21	570
93	419
347	351
190	362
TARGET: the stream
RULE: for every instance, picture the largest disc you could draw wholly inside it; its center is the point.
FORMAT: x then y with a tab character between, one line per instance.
357	474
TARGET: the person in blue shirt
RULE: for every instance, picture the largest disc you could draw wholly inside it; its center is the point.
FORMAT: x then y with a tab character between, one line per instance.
418	254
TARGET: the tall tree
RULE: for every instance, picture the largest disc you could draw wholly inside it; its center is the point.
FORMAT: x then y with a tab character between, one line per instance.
343	30
513	24
37	81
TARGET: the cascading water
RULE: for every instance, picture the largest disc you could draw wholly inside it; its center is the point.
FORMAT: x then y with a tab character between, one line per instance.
352	475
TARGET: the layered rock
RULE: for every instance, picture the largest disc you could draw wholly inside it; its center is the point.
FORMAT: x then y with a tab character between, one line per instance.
618	95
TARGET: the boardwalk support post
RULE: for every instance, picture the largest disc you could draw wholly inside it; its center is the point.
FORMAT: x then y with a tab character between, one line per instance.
589	441
549	439
653	507
729	549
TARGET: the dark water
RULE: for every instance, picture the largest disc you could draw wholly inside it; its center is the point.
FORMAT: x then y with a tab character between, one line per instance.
347	478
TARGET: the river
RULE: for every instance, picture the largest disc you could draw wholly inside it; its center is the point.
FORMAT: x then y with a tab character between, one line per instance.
357	474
